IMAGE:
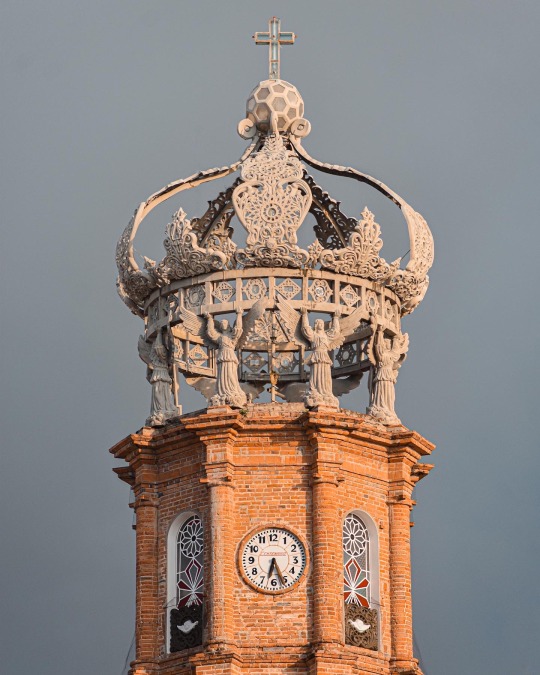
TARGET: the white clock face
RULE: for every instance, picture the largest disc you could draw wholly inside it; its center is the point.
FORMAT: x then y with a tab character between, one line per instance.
273	559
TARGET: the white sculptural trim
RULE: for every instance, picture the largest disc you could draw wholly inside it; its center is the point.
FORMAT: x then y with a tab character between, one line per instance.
185	258
133	284
225	389
411	283
361	256
386	355
155	356
271	204
321	341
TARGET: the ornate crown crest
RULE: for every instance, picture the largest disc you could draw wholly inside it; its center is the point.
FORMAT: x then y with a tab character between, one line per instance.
272	284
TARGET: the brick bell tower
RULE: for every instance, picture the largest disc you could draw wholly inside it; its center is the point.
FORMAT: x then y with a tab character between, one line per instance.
273	537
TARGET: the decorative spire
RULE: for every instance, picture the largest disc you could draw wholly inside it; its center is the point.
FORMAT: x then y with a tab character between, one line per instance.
274	38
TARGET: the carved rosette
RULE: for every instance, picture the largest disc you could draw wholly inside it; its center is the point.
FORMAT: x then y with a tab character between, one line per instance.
185	258
361	257
271	204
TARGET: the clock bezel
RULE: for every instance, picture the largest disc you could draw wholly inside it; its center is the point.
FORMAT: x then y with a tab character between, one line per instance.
269	526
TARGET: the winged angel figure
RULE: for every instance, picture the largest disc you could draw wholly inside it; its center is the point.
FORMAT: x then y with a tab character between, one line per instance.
226	388
386	355
157	373
320	390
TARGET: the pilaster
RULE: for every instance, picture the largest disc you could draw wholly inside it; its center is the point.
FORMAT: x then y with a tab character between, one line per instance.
218	431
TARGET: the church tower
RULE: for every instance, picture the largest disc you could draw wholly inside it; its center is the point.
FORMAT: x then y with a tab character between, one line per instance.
273	527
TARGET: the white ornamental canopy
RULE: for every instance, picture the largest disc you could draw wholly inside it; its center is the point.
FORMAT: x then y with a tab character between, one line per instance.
236	320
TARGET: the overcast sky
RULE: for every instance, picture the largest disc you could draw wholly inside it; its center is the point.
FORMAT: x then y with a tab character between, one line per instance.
104	102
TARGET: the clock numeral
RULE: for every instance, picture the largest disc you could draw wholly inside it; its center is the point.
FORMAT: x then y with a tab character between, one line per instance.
295	560
262	540
254	571
285	580
273	582
285	540
262	579
253	549
291	571
293	548
273	537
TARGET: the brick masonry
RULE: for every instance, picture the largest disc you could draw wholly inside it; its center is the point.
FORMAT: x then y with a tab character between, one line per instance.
265	466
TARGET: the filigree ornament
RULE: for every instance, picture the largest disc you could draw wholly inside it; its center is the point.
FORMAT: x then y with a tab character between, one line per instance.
271	204
288	289
412	283
185	258
285	362
223	291
254	289
195	296
361	256
134	285
333	227
410	288
361	626
314	251
349	296
320	291
256	361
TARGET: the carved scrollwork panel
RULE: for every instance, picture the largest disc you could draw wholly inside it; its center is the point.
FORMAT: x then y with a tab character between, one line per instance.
271	204
185	258
361	626
361	256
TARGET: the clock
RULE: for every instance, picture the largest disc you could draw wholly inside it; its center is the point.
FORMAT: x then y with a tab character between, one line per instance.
272	560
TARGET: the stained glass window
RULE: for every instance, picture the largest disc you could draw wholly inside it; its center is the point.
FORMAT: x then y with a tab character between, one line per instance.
356	584
186	618
189	563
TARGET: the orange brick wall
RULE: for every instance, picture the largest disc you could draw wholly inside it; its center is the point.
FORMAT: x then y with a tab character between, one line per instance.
275	465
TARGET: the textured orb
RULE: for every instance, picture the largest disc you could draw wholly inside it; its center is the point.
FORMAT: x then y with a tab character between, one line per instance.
275	96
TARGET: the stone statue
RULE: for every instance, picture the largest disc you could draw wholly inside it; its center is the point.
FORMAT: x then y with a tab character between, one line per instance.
321	341
155	356
225	388
387	355
319	391
226	338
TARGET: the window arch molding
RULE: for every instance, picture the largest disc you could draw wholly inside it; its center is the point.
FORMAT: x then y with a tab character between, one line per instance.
373	552
172	564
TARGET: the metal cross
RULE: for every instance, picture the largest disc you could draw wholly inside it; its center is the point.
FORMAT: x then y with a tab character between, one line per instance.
274	38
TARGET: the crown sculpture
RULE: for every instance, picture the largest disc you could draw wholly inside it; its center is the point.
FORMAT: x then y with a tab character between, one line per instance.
238	320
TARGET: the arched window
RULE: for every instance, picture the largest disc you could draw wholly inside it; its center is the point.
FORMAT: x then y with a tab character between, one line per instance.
356	587
186	582
360	581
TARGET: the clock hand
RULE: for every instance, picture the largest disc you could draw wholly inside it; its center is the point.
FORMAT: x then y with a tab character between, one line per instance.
280	576
275	566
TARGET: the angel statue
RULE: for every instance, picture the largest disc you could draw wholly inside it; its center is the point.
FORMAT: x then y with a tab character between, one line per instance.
320	390
386	355
225	337
155	356
226	388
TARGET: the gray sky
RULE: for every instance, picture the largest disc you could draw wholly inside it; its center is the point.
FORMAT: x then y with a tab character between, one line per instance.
104	102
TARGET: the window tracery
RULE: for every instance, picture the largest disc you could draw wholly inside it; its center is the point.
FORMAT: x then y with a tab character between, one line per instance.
359	581
186	570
